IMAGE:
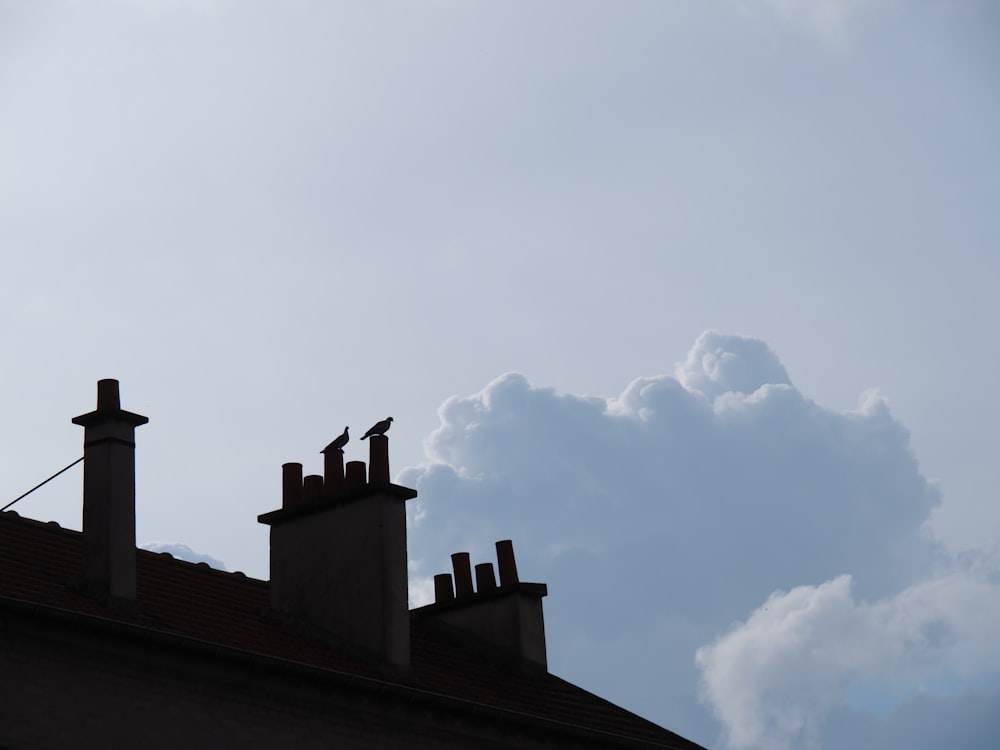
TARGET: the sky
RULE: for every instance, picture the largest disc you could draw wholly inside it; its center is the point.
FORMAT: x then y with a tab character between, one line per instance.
693	301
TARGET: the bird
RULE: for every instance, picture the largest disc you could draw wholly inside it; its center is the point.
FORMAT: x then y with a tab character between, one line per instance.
379	428
338	443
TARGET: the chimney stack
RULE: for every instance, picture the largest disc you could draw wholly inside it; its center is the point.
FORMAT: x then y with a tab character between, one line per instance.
109	498
338	554
508	616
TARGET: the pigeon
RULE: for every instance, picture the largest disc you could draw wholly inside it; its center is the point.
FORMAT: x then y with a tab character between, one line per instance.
379	428
338	443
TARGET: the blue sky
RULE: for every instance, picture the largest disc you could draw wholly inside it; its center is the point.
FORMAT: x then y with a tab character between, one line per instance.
693	300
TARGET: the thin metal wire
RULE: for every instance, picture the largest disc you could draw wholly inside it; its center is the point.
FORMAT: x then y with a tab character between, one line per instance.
41	483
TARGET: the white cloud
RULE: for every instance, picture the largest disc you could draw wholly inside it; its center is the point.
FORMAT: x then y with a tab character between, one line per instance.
808	492
719	364
183	552
661	516
773	679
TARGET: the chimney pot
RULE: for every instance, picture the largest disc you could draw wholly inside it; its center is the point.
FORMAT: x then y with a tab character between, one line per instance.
354	477
378	459
291	485
463	574
505	560
333	472
107	395
443	591
485	579
312	488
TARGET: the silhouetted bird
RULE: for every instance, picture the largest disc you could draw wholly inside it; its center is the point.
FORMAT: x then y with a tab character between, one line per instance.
379	428
338	443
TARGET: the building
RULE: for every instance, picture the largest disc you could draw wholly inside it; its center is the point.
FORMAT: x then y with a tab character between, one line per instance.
103	645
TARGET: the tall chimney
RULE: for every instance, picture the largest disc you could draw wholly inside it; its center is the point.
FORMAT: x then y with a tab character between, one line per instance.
109	498
338	563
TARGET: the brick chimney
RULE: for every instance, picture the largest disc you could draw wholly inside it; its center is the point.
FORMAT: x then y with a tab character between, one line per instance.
508	615
109	498
338	553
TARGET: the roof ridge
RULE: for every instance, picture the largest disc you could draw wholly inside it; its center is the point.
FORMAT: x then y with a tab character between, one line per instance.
12	516
167	557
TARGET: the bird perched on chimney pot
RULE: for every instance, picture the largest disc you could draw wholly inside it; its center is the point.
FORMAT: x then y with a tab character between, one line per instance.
338	443
379	428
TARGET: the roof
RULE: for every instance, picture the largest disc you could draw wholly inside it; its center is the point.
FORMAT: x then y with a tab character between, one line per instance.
230	610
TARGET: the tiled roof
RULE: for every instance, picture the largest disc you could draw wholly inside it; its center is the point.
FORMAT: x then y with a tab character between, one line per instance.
192	601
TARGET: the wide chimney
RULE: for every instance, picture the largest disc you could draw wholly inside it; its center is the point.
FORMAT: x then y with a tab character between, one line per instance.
338	555
508	615
109	498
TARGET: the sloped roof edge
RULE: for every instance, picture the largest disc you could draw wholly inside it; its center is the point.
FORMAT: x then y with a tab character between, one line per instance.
147	635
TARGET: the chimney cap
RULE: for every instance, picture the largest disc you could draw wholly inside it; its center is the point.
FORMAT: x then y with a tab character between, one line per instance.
286	514
109	408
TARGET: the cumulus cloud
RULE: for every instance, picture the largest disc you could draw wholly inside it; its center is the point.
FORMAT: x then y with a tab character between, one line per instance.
728	450
664	514
774	678
719	364
183	552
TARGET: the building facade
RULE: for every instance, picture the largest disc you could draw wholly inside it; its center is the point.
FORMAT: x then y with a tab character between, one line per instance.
103	645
